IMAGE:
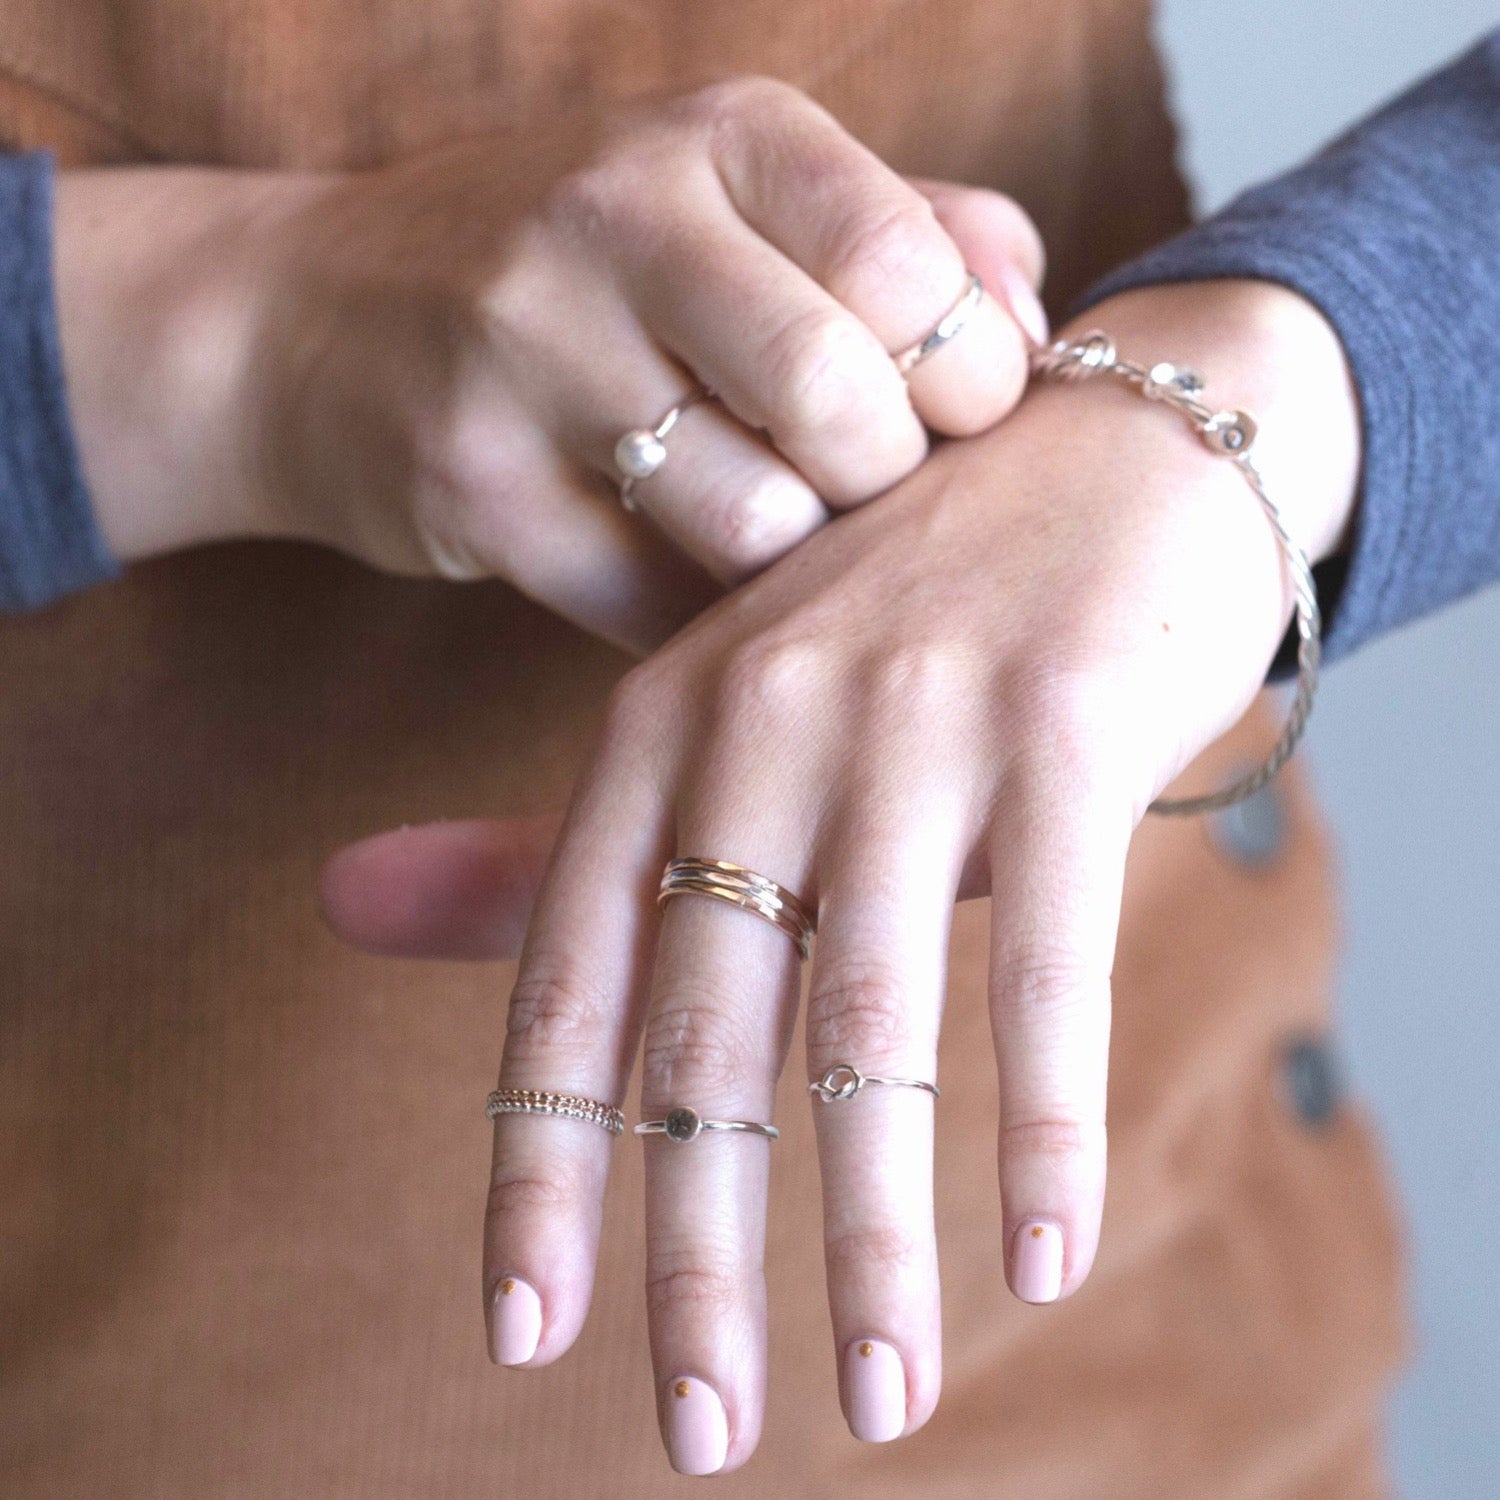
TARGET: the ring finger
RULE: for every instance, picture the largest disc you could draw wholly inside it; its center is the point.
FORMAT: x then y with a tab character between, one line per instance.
886	900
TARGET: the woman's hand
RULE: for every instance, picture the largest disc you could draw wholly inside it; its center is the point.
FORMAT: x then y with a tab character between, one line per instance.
429	367
980	681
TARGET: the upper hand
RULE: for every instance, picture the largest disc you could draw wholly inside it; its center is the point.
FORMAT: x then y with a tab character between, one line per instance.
429	368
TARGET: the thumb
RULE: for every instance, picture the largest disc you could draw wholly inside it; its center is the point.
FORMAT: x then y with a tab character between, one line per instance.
442	890
999	243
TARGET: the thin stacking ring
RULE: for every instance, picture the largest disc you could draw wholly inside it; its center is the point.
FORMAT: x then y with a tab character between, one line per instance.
683	1124
949	328
542	1102
740	887
643	450
844	1081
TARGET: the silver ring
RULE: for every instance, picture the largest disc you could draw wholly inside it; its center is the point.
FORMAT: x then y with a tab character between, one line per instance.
844	1081
950	327
643	450
683	1124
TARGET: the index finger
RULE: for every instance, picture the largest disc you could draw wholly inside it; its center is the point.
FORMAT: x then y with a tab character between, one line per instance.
571	1030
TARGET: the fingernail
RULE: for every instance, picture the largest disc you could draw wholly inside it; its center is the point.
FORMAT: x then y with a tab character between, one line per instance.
697	1429
1024	304
515	1322
1037	1262
876	1386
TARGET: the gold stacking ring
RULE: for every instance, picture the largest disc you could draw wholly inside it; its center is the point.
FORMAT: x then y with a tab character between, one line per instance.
543	1102
743	888
948	329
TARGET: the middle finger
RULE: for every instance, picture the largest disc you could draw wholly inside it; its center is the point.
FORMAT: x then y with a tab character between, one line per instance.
723	1001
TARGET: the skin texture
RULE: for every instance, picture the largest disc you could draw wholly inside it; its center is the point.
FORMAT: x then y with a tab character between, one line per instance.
977	683
427	371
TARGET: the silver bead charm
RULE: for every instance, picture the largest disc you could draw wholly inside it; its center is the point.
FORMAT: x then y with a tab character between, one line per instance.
1166	377
683	1124
1230	432
640	453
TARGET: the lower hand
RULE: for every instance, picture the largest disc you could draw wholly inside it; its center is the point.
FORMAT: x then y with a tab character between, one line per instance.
978	683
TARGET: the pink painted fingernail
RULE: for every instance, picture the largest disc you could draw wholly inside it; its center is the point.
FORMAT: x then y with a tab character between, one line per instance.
876	1385
515	1322
697	1429
1037	1262
1025	306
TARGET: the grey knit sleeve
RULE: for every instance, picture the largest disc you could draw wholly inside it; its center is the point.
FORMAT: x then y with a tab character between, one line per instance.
50	544
1393	232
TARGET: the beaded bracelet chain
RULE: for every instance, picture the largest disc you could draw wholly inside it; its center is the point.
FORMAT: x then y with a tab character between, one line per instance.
1230	434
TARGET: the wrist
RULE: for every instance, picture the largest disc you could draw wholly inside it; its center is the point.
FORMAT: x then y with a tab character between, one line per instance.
160	287
1268	351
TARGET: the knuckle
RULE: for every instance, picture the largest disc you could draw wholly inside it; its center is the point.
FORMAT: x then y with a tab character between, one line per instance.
924	677
692	1046
1055	985
823	369
883	248
859	1015
555	1006
736	100
464	497
860	1254
677	1284
767	680
1061	706
530	1194
1066	724
582	202
1055	1138
633	710
605	209
754	524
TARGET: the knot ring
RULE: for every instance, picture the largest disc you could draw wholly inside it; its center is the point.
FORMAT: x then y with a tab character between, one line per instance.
843	1081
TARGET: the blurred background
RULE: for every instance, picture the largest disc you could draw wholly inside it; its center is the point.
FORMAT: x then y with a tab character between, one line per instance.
1405	748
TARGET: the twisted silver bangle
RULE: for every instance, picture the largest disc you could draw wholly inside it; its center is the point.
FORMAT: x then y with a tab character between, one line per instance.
1229	434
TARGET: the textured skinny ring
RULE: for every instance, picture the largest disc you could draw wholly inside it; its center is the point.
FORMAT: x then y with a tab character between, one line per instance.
643	450
843	1081
544	1102
947	329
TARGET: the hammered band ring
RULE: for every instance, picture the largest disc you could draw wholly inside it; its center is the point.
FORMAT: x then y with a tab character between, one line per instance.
683	1124
724	881
643	450
544	1102
843	1081
947	329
